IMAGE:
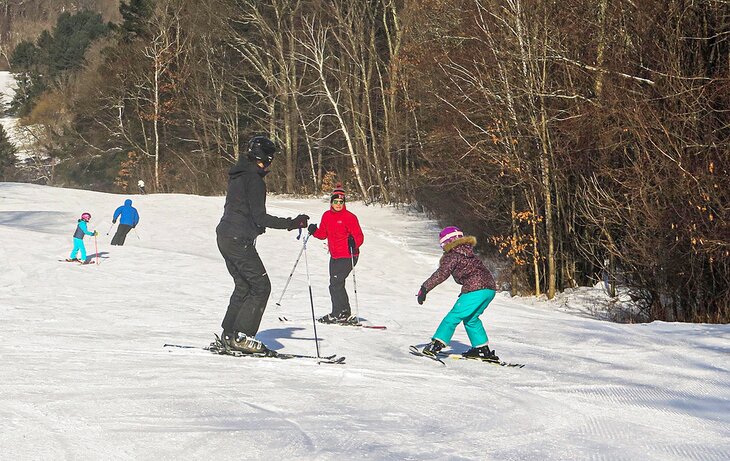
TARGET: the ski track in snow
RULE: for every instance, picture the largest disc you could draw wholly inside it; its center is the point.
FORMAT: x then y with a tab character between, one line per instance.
590	390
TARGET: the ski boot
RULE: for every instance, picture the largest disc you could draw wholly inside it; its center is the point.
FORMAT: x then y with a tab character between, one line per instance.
340	319
329	318
482	353
347	319
247	345
225	339
433	348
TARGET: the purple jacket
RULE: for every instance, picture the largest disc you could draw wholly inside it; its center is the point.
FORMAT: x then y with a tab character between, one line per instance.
468	270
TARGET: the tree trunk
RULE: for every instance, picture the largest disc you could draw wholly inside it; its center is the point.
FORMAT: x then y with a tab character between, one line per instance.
547	197
598	87
155	122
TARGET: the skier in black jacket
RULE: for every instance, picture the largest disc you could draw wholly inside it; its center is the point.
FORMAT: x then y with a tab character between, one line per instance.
244	219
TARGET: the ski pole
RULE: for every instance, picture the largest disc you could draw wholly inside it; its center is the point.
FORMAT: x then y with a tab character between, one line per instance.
110	229
135	233
354	284
311	298
278	303
96	248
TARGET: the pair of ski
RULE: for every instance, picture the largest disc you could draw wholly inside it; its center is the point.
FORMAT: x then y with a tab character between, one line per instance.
80	263
219	348
438	358
343	324
357	325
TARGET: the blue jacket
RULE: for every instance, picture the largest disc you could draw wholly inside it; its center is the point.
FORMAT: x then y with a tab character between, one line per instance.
81	229
130	217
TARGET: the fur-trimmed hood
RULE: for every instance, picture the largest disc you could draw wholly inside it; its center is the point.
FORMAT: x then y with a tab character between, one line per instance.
460	262
468	240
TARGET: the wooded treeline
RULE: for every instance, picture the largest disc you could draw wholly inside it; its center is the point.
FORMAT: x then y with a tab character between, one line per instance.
580	139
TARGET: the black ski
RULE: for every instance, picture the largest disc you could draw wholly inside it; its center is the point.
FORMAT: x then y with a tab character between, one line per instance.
478	359
77	262
216	347
416	351
356	325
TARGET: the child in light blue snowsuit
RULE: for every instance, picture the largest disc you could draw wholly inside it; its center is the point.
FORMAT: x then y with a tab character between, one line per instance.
81	230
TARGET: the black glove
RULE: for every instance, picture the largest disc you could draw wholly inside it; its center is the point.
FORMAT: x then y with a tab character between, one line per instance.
298	222
351	243
421	295
114	221
312	229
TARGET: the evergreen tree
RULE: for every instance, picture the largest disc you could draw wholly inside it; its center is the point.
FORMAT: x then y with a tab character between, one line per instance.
135	14
71	38
24	56
36	66
25	62
8	157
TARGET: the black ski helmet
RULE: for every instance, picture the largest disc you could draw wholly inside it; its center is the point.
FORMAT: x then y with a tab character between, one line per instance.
261	149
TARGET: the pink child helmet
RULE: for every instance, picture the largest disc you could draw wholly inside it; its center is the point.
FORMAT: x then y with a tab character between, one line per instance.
449	234
86	216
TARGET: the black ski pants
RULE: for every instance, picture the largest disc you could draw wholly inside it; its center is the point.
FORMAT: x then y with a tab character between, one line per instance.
252	286
121	234
339	270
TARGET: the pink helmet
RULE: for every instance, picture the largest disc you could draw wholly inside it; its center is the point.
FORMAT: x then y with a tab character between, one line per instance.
86	216
449	234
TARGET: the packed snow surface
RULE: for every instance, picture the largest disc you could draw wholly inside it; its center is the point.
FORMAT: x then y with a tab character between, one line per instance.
84	374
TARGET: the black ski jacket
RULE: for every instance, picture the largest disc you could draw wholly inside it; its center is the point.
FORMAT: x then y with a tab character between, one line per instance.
244	215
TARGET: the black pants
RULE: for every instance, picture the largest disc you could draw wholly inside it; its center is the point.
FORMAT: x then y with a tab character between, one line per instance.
252	290
121	234
339	270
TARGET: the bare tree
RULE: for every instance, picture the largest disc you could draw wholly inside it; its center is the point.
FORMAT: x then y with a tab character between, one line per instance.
315	54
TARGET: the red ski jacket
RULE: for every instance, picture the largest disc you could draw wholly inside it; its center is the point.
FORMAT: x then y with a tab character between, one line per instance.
336	227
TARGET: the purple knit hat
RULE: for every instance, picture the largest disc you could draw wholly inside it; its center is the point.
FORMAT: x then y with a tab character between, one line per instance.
449	234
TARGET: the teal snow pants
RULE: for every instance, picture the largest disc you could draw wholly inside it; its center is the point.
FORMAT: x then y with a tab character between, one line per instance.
78	246
467	309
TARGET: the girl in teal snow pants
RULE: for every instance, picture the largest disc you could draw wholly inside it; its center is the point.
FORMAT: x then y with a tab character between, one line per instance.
81	230
477	291
467	309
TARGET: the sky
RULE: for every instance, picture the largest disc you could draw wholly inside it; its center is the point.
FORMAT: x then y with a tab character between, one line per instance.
84	374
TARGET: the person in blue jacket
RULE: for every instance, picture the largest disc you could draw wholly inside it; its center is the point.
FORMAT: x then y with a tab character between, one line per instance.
81	230
129	219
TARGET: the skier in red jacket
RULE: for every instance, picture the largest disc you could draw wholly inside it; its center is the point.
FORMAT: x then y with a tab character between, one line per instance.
344	238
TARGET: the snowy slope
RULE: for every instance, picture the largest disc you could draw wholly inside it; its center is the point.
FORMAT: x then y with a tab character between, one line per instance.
83	374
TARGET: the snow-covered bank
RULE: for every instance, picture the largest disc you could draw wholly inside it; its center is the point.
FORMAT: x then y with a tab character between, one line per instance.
590	390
